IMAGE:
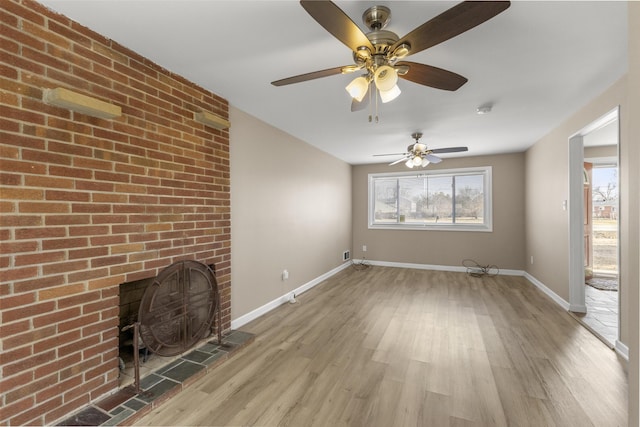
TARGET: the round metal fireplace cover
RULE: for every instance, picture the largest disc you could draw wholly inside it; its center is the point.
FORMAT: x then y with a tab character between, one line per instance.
177	309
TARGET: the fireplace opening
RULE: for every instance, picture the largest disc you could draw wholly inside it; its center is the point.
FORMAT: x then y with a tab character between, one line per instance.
175	311
130	297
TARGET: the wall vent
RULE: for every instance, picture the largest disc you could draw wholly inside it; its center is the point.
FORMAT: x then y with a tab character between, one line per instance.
346	255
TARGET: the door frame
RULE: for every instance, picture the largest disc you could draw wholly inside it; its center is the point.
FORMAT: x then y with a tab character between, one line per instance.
576	209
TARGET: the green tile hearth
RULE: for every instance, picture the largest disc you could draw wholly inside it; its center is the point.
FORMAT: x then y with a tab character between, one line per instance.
124	404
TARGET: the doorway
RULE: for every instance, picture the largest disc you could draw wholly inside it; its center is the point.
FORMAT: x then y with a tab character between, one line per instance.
594	228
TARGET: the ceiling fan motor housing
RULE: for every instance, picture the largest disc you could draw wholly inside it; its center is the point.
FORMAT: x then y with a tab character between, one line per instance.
376	17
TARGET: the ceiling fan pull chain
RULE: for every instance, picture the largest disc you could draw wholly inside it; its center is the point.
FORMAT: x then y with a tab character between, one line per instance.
376	104
370	103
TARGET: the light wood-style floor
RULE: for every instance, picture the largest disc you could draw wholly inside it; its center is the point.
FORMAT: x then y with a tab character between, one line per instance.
400	347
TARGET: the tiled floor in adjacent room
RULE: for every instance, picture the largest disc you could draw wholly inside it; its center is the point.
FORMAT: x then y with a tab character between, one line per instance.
602	314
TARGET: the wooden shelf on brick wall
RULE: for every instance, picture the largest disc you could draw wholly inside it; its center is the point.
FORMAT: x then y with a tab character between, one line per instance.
212	120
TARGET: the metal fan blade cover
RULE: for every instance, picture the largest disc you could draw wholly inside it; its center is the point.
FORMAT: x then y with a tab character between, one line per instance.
435	77
398	161
335	21
451	23
449	150
308	76
432	158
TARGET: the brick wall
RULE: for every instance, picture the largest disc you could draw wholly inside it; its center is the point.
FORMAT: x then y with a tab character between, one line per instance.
88	203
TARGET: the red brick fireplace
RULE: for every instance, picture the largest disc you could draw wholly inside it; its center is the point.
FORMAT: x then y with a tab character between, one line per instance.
88	203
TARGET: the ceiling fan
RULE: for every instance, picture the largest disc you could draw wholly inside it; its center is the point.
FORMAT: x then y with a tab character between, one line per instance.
378	54
419	155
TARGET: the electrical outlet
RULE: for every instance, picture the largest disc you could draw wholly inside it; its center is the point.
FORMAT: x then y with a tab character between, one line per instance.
364	248
285	275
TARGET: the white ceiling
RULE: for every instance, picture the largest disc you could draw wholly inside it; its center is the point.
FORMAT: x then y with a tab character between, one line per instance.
537	62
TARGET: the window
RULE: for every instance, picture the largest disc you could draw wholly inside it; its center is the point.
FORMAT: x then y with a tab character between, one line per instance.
453	199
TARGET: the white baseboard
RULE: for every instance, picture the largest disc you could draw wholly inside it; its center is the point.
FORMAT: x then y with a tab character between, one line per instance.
252	315
622	350
454	268
538	284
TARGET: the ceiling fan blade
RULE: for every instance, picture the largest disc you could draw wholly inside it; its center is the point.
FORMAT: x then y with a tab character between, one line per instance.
390	154
433	159
335	21
308	76
432	76
398	161
448	150
451	23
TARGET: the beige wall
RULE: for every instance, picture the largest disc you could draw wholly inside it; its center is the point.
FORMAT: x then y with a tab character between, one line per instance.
290	209
503	247
631	251
547	178
603	151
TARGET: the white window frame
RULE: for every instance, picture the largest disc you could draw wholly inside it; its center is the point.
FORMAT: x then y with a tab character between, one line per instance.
486	226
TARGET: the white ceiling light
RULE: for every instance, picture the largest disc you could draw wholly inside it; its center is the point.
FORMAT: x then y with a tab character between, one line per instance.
389	95
358	88
385	77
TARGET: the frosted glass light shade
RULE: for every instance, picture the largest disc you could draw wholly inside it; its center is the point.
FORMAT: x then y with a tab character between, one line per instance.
385	77
389	95
358	88
409	163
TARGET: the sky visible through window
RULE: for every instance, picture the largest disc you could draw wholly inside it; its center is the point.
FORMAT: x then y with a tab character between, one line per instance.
605	181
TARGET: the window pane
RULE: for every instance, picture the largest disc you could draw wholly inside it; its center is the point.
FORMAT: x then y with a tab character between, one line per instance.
438	204
384	208
469	199
411	199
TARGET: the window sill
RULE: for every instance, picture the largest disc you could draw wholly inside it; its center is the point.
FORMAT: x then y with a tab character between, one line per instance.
433	227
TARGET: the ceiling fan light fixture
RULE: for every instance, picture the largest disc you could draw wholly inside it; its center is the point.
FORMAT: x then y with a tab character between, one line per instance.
389	95
425	162
358	88
409	163
418	146
417	161
385	77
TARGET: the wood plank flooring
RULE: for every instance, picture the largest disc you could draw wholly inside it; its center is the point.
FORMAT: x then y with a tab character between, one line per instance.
400	347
